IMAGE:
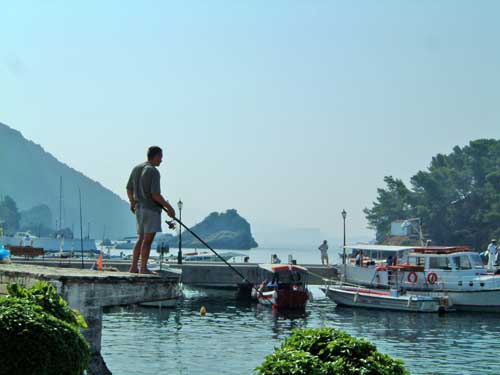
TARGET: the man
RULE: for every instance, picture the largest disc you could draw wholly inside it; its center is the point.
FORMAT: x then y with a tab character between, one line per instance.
146	202
492	254
324	252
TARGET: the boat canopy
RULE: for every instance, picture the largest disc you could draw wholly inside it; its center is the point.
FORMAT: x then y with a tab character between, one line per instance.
282	268
368	247
442	249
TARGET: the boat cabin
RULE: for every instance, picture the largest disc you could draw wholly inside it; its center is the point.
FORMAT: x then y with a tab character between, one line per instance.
283	275
459	258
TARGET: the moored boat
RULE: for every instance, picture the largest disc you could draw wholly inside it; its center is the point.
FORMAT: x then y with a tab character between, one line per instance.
453	271
387	300
284	286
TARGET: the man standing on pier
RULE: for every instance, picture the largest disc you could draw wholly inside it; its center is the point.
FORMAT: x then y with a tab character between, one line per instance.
324	252
146	202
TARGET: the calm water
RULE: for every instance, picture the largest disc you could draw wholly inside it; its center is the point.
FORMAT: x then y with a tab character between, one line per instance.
235	336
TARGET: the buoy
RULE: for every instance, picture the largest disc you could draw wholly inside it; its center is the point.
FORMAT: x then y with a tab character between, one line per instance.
203	311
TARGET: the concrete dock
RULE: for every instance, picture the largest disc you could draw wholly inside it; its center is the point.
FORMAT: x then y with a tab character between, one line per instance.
89	291
200	274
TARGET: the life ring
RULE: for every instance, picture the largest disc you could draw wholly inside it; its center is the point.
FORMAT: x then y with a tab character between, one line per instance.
412	277
432	278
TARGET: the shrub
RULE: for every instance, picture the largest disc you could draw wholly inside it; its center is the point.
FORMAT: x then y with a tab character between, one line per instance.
35	341
328	351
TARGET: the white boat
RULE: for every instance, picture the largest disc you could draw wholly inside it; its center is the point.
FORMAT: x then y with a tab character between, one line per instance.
450	271
388	300
49	244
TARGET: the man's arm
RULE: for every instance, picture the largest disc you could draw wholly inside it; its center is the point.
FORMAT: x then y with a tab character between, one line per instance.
158	198
131	199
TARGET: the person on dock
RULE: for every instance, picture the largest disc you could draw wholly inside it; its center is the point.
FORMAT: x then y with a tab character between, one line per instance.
492	254
324	252
146	202
275	259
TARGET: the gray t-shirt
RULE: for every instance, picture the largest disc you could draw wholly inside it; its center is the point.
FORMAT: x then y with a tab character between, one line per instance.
144	180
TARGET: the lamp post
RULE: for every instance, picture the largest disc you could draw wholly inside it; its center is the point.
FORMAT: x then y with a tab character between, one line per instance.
179	254
344	215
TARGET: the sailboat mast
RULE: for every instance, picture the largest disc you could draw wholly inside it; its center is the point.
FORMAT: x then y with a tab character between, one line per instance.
60	203
81	225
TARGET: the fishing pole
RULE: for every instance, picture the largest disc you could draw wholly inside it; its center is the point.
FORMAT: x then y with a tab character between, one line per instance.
169	223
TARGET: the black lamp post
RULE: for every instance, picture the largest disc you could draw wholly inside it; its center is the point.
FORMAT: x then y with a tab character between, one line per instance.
179	254
344	215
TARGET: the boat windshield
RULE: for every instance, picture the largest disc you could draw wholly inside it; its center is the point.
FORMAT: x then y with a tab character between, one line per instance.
467	262
476	261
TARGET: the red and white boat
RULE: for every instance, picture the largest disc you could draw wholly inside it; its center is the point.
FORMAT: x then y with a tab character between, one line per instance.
284	286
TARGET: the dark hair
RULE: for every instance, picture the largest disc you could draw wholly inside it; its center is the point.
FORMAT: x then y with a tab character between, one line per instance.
153	151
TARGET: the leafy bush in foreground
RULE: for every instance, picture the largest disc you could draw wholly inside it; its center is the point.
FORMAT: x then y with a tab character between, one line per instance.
328	351
35	341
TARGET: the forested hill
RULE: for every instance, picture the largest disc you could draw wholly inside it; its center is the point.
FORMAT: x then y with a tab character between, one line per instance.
457	197
222	231
31	176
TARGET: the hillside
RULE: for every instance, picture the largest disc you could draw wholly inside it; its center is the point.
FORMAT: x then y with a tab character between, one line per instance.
31	176
222	231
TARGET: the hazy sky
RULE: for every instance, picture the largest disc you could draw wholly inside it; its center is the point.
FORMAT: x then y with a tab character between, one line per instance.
288	111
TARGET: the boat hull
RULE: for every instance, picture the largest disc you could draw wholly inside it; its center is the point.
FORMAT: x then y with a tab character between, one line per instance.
384	301
285	299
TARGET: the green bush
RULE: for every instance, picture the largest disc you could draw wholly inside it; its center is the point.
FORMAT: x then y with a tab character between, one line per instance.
35	341
328	351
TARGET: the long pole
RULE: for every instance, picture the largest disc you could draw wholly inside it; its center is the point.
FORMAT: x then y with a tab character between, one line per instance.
344	256
81	226
213	251
179	253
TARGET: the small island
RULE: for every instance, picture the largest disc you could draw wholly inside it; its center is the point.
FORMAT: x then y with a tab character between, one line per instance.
226	230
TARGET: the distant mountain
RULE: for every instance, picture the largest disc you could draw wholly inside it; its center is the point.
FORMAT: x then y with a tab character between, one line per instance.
31	176
221	231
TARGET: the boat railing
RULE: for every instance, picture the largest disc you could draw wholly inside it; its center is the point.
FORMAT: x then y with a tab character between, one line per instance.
480	282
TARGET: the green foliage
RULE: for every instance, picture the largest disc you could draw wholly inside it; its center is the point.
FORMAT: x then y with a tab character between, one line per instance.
9	215
328	351
33	341
457	198
37	220
45	295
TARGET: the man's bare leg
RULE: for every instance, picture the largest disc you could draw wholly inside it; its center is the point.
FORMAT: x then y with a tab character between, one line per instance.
145	250
135	255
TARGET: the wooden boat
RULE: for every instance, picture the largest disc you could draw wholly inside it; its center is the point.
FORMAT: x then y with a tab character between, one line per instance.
284	286
382	299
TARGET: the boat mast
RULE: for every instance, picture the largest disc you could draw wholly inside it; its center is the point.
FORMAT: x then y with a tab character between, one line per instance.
60	203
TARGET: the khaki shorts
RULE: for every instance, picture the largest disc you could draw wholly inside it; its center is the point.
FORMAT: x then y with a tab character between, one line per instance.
148	221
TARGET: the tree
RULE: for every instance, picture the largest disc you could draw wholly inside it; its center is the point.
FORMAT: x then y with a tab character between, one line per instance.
457	198
37	220
9	215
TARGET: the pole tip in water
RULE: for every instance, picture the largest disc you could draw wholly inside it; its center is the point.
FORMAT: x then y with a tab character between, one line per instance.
203	311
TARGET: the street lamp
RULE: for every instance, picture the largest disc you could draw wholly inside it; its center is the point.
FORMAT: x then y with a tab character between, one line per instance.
179	254
344	215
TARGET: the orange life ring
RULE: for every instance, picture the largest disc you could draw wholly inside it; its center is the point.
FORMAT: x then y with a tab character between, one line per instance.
412	277
432	278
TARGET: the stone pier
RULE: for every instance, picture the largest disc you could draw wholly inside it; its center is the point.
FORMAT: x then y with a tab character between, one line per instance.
89	291
202	274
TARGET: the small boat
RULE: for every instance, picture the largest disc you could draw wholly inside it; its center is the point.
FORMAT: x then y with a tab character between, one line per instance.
284	286
389	300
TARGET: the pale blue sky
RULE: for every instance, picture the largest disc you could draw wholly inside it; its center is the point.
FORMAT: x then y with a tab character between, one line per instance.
288	111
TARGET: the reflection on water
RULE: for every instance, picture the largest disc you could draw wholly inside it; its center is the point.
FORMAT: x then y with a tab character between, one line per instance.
236	335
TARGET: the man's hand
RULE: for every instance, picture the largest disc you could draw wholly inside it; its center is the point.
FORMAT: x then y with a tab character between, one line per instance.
170	211
132	207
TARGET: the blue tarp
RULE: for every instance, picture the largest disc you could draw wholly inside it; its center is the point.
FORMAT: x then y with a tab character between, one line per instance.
4	253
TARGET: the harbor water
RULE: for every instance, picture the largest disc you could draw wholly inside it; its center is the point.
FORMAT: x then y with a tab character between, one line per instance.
235	336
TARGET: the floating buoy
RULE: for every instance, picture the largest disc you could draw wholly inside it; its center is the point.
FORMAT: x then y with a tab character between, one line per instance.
203	311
